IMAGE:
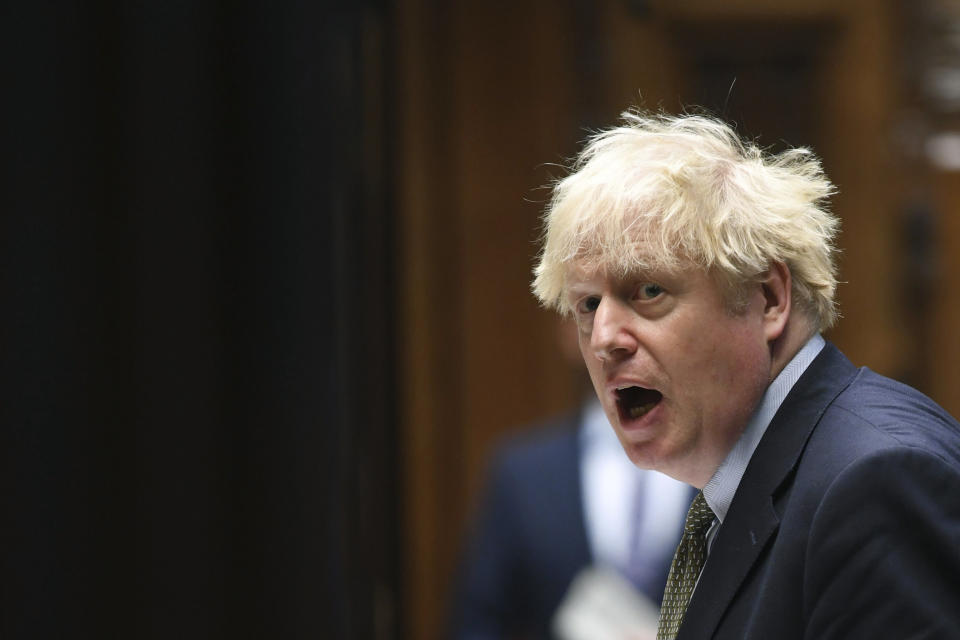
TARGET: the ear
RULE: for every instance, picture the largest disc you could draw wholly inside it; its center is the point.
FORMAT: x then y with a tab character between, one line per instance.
777	288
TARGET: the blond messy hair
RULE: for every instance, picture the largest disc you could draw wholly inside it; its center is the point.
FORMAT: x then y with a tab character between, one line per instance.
666	192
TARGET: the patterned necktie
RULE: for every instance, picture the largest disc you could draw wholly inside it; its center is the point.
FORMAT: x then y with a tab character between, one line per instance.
687	564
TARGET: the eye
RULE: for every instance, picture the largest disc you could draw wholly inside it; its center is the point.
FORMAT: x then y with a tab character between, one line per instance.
648	291
588	304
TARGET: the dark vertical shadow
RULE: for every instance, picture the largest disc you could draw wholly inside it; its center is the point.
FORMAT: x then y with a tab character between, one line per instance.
198	346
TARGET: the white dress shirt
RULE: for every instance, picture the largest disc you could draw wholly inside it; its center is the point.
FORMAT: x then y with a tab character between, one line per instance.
721	488
610	481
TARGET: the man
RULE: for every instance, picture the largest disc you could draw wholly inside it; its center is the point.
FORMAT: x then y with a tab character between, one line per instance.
701	272
560	498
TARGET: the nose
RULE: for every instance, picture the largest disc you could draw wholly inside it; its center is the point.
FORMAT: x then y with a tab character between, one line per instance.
612	335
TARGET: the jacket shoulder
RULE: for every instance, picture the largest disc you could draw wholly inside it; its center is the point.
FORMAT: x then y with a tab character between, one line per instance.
876	412
539	445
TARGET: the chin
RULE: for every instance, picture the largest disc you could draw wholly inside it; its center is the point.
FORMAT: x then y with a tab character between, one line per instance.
640	454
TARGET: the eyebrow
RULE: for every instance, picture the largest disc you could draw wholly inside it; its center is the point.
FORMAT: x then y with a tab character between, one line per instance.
576	290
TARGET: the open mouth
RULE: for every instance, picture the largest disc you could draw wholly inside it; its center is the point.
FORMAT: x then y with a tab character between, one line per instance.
635	402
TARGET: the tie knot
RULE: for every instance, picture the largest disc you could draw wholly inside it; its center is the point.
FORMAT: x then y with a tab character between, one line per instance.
699	517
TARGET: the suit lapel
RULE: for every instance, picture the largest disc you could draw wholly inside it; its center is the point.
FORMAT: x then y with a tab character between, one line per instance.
752	520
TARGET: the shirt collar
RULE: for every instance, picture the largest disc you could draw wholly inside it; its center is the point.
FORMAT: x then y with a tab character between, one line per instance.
721	488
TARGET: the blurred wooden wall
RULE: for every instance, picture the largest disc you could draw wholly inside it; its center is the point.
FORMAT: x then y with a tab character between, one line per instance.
490	94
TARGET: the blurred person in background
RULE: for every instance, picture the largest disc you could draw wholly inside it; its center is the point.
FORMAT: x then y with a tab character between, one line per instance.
701	271
563	502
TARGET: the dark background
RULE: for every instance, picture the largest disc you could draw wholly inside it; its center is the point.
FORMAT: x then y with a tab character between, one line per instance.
195	291
264	273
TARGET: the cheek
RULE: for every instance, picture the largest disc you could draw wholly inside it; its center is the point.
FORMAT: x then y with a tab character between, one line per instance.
592	363
583	340
745	372
729	355
589	358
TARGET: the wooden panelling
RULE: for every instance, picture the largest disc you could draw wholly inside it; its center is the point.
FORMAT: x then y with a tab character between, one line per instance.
859	94
430	271
944	344
481	118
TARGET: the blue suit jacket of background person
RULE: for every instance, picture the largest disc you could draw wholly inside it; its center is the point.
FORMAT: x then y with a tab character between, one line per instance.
529	539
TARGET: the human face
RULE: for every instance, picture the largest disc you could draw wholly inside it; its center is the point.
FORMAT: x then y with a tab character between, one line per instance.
677	373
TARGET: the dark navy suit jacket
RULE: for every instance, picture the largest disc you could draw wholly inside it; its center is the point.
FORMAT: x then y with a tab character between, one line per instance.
846	523
529	539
